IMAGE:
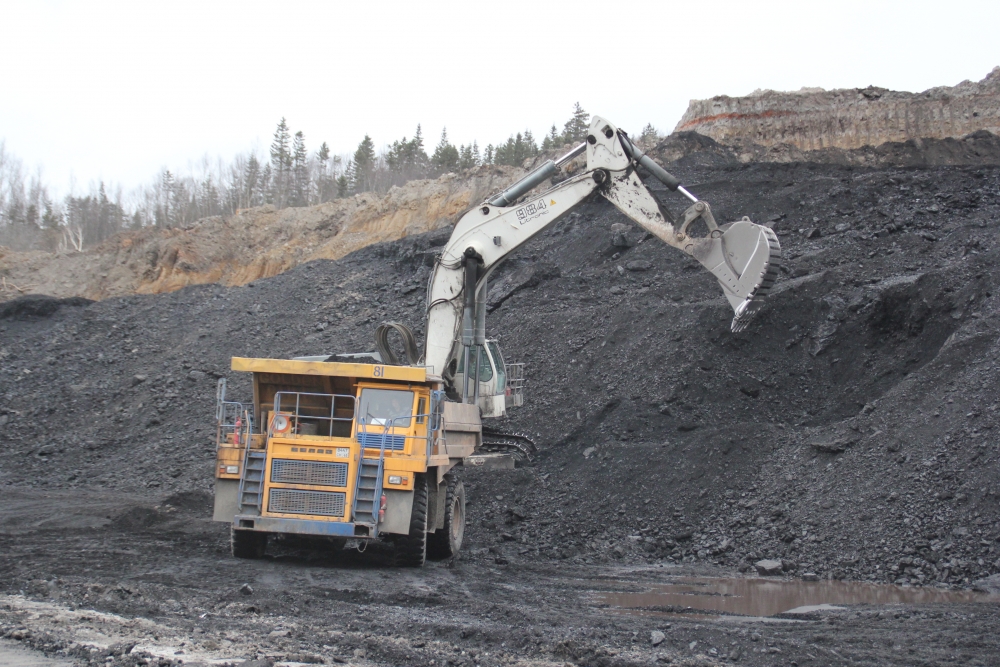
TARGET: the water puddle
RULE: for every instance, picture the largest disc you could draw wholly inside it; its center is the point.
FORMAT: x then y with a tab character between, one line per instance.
767	597
13	655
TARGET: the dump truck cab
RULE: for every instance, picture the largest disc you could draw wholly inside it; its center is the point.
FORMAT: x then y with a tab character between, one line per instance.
347	451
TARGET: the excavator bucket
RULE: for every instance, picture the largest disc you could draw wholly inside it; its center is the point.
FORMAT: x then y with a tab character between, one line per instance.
744	257
753	256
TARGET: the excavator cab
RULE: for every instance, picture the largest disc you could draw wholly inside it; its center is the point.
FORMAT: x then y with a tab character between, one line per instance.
500	384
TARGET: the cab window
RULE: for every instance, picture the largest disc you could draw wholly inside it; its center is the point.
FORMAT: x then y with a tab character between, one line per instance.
498	361
386	407
485	370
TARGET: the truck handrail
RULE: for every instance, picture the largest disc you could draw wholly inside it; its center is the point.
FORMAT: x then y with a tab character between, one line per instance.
387	435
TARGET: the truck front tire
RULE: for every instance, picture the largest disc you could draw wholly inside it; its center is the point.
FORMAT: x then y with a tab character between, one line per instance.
247	543
447	541
411	549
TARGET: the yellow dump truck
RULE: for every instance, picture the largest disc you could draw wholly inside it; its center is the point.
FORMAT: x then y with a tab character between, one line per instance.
349	451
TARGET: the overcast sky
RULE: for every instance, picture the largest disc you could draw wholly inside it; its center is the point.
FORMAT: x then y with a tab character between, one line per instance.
117	91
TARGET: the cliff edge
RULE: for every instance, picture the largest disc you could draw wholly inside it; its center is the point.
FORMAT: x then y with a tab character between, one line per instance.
813	118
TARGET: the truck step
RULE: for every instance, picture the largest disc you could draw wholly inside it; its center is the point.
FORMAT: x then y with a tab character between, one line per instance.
252	483
366	501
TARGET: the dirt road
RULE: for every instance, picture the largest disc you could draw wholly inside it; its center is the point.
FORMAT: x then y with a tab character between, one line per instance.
154	584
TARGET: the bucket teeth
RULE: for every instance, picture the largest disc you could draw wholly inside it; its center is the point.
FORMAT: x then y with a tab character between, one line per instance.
745	313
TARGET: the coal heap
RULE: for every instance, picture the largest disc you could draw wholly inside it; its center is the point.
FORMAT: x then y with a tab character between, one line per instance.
848	432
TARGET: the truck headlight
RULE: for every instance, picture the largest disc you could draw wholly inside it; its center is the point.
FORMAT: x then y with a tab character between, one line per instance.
395	479
232	470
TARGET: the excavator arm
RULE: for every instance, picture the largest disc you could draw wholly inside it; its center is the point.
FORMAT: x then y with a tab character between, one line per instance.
743	256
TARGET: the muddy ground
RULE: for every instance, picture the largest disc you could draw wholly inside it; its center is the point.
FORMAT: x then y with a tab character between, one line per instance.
155	584
848	434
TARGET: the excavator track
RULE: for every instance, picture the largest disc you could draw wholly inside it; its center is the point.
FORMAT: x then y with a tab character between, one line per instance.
517	444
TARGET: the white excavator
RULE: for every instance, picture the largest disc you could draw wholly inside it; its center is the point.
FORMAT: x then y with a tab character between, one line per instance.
361	447
742	255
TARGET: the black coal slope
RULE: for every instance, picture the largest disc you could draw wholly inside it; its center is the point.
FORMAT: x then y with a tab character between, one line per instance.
849	431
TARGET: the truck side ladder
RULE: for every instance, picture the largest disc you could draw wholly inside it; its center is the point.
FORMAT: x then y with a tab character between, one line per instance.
252	480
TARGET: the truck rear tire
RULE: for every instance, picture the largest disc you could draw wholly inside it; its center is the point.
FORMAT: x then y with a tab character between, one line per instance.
247	543
447	542
411	549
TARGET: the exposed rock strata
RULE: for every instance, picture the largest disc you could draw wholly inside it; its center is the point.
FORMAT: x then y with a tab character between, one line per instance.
813	118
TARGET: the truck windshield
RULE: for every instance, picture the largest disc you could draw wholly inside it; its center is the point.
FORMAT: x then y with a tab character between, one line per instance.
385	407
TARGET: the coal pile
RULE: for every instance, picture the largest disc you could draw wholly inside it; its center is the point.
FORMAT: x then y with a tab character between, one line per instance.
848	433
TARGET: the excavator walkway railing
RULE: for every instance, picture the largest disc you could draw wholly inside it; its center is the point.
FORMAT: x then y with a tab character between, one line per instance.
514	392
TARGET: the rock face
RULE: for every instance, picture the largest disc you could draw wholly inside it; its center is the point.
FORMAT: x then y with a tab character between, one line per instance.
813	118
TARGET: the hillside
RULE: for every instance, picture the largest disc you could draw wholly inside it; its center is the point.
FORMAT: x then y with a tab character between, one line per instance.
263	242
255	243
848	434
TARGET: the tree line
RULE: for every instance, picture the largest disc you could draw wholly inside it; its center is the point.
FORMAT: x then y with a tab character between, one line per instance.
289	175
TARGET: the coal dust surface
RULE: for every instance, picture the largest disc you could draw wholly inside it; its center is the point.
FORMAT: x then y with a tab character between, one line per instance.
848	434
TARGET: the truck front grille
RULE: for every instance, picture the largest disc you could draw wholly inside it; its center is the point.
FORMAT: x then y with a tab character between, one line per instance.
318	473
374	441
293	501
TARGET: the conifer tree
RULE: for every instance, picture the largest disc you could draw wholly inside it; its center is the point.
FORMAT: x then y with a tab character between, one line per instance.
575	129
446	156
281	163
531	148
51	218
649	136
264	187
251	195
363	171
164	210
552	139
324	180
465	157
299	195
207	198
419	154
516	150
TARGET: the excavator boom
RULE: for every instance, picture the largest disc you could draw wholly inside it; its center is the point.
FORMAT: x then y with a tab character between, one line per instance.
742	255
